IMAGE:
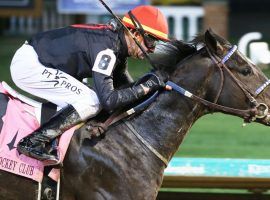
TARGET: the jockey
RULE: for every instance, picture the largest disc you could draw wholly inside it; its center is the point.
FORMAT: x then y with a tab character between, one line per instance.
52	64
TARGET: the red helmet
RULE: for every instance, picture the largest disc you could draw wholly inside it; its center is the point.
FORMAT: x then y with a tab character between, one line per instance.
151	19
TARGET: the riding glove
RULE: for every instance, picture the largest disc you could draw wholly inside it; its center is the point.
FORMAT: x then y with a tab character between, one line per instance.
153	83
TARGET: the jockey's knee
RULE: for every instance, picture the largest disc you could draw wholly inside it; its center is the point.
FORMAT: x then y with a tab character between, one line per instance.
15	77
86	110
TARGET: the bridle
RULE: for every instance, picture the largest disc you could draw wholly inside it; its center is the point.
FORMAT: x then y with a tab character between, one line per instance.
248	115
250	96
220	63
259	110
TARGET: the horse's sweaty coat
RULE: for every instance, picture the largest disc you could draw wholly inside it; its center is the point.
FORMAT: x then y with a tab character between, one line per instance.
118	165
20	120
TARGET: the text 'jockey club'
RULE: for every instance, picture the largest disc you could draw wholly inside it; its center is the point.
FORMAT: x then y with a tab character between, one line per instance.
13	166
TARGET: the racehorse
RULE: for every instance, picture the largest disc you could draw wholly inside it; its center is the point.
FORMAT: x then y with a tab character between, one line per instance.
128	162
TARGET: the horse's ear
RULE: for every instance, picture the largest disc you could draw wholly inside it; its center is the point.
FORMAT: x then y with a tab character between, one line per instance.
212	43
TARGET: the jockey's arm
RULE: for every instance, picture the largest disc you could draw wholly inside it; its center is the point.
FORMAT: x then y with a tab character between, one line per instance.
111	98
122	76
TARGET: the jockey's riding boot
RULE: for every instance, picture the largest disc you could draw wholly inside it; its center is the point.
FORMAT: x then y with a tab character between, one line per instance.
38	144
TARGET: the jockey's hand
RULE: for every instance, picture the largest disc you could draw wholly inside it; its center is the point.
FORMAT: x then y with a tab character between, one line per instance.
153	84
95	128
168	87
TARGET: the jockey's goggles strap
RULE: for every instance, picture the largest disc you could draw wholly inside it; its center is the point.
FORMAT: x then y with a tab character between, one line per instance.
149	42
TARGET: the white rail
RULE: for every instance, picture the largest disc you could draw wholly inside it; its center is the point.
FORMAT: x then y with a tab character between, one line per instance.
192	14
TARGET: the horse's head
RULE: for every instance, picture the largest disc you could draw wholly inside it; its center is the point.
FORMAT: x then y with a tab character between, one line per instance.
242	85
222	75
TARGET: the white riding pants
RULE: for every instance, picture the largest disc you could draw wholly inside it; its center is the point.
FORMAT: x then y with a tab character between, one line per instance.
51	84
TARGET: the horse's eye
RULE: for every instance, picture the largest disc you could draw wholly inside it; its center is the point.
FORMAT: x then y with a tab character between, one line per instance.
246	71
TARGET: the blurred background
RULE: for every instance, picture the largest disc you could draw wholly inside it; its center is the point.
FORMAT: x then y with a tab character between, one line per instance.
242	22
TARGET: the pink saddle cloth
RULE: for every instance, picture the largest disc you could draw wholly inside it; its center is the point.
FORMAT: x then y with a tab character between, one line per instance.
19	121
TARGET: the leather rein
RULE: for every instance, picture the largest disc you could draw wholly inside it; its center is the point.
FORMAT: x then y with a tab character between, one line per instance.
248	114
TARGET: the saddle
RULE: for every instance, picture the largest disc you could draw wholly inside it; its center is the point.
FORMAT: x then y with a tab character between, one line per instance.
38	114
28	115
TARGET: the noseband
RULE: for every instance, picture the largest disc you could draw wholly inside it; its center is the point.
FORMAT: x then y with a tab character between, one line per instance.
259	110
262	88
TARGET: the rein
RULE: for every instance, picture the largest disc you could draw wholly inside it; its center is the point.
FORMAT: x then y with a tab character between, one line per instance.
244	113
249	114
251	97
146	55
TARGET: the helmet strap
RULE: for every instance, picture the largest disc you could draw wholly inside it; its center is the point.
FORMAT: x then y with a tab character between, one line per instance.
139	28
137	24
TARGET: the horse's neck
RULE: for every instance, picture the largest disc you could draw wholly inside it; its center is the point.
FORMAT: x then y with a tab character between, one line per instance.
165	124
167	121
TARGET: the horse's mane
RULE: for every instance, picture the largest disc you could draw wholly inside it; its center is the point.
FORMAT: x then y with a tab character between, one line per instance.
198	41
170	53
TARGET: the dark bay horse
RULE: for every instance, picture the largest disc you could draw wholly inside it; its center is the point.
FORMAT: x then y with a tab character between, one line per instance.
123	166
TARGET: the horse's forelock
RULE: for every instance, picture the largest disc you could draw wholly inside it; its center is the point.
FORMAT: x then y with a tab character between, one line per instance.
199	40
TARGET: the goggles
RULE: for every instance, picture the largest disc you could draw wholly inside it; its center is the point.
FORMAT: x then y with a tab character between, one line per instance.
150	41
